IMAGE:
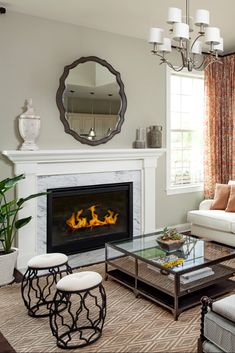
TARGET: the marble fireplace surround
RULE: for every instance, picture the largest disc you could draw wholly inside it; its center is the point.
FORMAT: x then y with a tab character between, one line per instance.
60	168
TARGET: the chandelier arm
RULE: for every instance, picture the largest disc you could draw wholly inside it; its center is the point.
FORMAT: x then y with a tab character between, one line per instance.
199	36
195	62
215	60
160	56
205	65
198	68
164	60
175	68
183	57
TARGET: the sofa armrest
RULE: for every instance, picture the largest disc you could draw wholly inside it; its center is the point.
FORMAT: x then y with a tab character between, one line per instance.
205	204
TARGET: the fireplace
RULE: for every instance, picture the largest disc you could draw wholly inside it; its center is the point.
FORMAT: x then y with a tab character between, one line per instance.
84	218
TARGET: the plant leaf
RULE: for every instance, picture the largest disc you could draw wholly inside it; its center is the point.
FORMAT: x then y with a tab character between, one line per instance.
2	231
9	183
1	218
22	222
2	184
4	215
21	201
10	213
7	206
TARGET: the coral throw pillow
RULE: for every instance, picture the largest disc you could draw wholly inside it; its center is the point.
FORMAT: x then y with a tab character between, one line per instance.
231	201
222	192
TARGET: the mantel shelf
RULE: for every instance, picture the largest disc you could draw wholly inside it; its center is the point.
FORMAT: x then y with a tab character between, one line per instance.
82	155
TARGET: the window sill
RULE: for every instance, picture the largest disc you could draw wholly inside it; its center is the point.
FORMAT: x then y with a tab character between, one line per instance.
184	189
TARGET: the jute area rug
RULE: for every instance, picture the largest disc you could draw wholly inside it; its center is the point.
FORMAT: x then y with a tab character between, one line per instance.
132	324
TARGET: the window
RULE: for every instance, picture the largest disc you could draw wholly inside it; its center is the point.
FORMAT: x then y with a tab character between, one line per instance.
185	120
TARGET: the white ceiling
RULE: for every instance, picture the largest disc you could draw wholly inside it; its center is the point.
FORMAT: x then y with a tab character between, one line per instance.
100	92
128	17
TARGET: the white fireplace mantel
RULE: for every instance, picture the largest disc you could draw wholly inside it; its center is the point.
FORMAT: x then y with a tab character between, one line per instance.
43	156
35	164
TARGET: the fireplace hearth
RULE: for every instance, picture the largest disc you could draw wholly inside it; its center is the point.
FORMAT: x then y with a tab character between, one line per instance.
84	218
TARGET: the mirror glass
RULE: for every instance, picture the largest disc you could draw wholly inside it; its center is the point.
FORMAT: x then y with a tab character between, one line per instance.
92	100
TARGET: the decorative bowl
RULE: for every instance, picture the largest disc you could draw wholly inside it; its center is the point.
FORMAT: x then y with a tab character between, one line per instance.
170	245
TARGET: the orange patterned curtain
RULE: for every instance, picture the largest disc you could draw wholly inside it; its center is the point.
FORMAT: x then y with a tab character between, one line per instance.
219	158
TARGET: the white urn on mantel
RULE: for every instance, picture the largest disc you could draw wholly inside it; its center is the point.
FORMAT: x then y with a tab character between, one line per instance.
29	127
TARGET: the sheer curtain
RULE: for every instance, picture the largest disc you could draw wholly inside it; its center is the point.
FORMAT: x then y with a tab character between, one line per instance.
219	156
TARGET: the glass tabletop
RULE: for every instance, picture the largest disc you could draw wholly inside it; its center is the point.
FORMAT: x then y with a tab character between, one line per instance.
193	253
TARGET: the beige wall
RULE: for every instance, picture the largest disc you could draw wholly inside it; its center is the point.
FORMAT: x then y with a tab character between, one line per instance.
32	57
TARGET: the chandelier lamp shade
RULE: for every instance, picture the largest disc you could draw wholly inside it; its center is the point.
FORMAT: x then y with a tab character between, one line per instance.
198	46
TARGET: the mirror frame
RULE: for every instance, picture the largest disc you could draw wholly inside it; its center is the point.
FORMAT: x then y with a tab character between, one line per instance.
60	105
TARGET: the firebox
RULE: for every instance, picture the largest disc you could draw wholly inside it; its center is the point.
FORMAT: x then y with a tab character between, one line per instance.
85	218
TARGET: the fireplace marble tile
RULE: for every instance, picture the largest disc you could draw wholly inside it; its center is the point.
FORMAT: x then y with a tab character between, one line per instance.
59	181
87	258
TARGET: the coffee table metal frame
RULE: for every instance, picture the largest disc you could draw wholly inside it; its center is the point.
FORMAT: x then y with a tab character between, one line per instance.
181	297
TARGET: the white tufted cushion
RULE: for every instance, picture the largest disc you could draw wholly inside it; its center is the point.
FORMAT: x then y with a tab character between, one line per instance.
79	281
47	260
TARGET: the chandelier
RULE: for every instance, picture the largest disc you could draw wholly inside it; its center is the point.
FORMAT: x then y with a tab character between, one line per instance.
190	49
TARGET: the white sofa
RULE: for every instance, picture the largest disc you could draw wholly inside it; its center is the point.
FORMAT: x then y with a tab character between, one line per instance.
216	225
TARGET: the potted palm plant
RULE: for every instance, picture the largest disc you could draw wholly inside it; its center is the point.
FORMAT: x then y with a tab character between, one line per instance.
9	224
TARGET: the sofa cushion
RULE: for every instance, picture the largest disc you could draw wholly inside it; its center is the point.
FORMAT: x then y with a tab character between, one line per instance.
222	192
209	347
220	331
214	219
225	307
206	204
233	227
231	201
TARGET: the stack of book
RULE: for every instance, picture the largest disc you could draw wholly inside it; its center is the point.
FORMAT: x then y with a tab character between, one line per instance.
167	261
194	275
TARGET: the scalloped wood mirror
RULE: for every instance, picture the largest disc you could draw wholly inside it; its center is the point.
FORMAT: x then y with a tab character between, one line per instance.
91	100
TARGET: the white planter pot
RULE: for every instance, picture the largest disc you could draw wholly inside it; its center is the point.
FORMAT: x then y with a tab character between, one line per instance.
7	265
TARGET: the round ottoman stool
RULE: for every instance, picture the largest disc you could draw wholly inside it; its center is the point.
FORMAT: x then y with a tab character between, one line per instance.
81	323
37	290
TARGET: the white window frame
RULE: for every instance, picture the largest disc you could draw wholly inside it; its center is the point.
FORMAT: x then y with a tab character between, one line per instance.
178	189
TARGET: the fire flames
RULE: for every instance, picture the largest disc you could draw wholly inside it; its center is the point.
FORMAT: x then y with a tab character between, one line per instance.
76	221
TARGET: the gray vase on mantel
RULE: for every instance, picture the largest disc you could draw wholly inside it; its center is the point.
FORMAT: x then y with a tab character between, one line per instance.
140	138
154	134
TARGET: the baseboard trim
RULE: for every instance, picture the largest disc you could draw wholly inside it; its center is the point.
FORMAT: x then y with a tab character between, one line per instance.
184	227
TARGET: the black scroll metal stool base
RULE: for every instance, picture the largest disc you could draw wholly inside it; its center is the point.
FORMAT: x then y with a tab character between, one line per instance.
38	290
81	322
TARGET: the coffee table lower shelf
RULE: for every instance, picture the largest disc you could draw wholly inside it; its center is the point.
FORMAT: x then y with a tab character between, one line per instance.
185	302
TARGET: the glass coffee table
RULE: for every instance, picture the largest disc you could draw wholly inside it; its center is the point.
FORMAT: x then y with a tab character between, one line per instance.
199	268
